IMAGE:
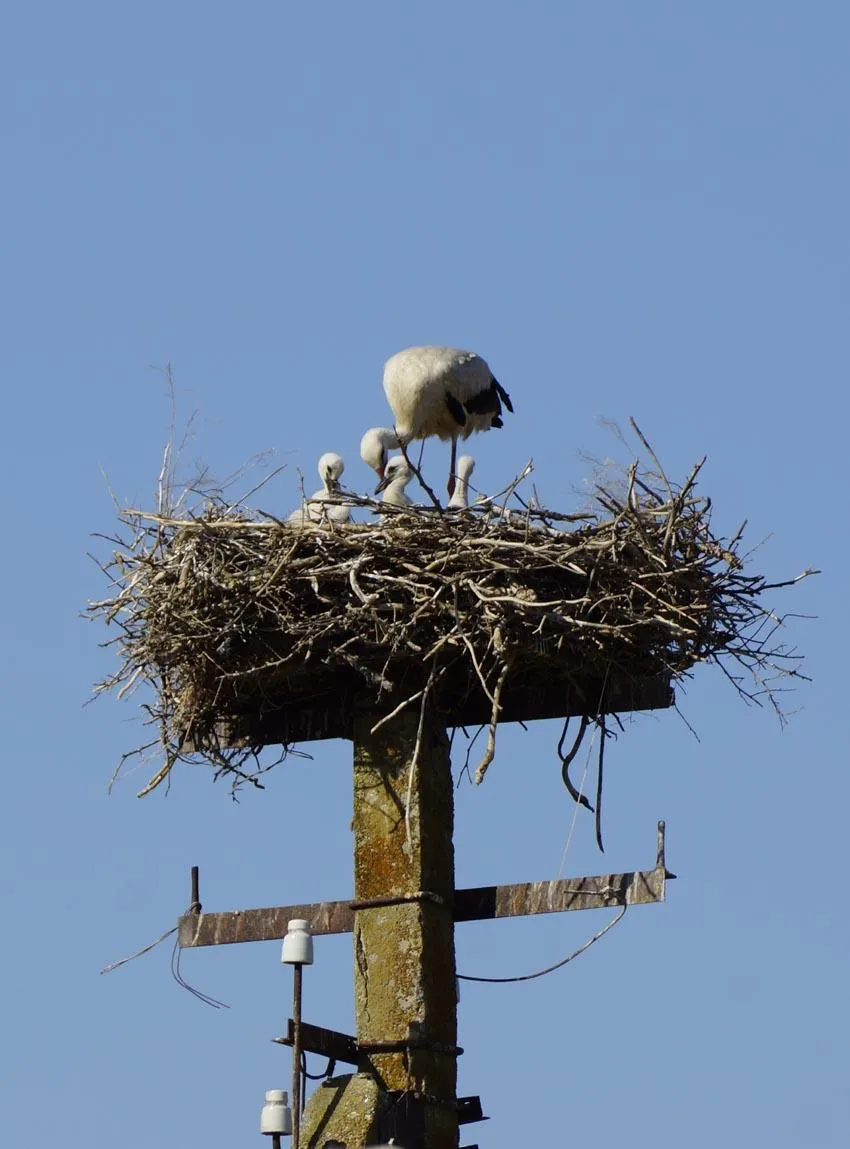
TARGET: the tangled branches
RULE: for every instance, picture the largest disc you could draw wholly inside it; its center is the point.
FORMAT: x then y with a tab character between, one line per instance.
229	617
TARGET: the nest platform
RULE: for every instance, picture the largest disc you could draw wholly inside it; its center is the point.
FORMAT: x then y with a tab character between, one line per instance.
249	631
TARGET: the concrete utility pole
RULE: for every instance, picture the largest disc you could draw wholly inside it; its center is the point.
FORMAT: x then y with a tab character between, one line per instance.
404	974
403	1084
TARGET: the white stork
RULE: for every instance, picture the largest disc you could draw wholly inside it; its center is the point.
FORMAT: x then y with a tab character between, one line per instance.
375	447
317	507
397	475
460	499
442	392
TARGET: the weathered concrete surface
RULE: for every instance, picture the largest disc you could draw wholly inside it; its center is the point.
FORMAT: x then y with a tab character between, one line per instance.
344	1109
404	975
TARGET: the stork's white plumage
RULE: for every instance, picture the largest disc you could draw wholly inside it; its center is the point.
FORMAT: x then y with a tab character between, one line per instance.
375	447
443	392
317	507
397	475
460	499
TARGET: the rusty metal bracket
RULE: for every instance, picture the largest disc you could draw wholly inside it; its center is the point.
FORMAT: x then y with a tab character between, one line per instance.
325	1042
637	887
409	1043
468	1109
398	900
338	1046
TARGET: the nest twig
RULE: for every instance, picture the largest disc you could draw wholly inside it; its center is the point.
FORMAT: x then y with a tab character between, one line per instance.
224	610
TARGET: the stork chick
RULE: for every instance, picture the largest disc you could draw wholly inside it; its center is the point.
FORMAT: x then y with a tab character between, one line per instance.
397	475
317	507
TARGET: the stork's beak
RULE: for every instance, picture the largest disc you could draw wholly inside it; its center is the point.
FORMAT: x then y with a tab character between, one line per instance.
384	483
334	486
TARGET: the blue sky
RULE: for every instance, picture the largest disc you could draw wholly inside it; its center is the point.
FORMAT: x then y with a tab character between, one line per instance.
629	209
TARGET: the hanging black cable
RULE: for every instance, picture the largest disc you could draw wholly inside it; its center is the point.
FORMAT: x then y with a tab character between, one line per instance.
603	734
557	965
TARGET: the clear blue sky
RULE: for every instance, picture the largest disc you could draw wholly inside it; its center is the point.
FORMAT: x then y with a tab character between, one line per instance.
629	209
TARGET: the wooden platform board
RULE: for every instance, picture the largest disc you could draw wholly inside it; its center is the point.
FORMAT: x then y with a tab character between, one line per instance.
331	713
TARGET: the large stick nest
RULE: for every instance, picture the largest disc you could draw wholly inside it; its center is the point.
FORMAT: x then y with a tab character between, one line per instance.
227	614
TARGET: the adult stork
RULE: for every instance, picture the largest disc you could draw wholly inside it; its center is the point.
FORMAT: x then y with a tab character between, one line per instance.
319	506
443	392
375	447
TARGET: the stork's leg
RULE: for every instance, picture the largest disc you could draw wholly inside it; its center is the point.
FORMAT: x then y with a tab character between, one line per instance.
450	486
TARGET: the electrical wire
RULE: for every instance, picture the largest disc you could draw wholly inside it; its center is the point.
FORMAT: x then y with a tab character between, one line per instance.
144	950
176	954
175	967
329	1069
557	965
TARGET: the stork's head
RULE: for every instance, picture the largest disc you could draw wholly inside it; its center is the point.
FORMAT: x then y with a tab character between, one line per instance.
375	447
331	467
397	471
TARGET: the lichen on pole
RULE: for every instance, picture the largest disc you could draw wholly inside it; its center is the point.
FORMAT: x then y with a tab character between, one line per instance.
404	965
405	987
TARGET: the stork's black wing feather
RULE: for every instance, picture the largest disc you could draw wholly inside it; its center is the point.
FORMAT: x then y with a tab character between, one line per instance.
503	395
489	402
485	402
456	410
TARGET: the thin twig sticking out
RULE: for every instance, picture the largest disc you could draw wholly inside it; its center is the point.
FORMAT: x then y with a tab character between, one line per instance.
661	473
507	491
418	693
490	749
418	474
417	749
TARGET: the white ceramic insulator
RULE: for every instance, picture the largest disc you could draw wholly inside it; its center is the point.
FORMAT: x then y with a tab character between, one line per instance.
276	1116
298	943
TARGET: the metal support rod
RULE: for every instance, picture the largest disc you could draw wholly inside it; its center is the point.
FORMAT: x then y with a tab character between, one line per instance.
296	1053
275	1141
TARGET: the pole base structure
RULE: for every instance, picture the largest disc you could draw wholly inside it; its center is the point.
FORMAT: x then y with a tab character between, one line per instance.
353	1110
344	1110
405	988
